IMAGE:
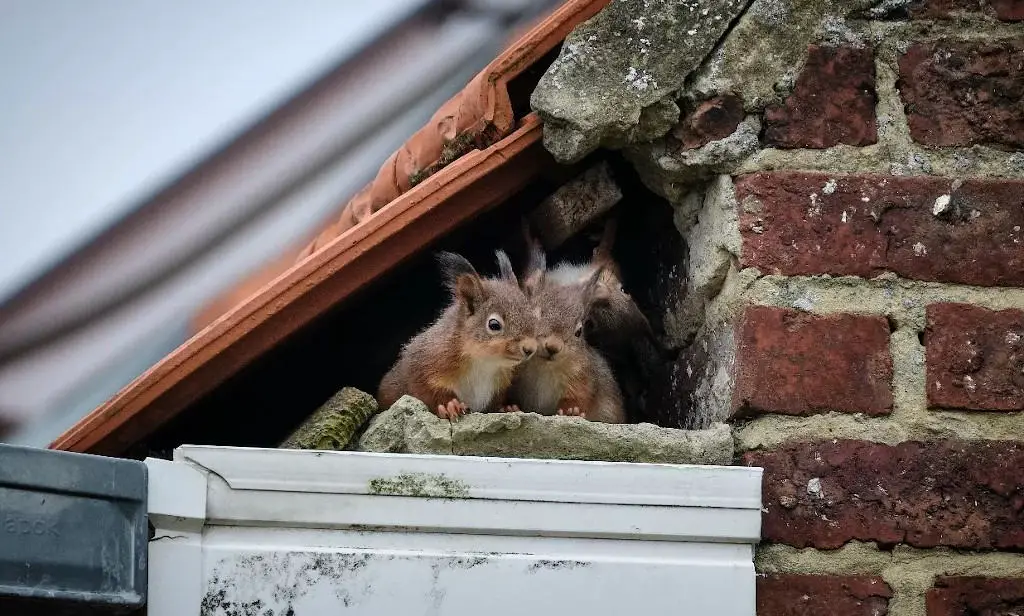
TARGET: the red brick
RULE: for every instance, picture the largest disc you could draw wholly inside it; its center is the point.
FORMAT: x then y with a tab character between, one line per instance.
711	120
975	358
960	494
798	595
1006	10
975	596
795	363
797	223
833	102
960	93
1009	10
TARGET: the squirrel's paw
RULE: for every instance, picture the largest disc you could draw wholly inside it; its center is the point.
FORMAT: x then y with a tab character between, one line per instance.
453	410
510	408
572	411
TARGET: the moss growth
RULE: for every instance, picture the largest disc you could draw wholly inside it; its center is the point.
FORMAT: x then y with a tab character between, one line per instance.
454	149
421	485
334	424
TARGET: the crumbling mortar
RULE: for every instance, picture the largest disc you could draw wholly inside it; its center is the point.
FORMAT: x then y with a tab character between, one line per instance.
712	306
595	53
973	162
893	128
896	153
899	33
910	572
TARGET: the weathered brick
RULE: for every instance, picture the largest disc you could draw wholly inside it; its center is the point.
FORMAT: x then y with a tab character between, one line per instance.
961	93
975	358
833	102
975	596
711	120
924	228
961	494
1007	10
797	595
795	363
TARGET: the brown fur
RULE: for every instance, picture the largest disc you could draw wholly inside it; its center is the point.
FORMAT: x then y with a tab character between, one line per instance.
457	359
566	376
614	326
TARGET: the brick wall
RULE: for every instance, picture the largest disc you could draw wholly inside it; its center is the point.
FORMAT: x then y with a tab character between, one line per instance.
859	280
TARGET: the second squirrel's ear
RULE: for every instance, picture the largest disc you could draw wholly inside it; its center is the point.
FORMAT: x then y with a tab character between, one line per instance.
505	267
533	277
462	279
595	291
603	251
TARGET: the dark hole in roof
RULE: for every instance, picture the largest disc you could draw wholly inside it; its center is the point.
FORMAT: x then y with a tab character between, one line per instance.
522	85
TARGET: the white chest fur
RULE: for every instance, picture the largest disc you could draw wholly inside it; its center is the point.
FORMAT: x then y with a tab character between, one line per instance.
570	273
478	386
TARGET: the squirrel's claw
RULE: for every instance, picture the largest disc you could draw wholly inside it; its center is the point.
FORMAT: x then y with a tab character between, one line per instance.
572	411
510	408
452	410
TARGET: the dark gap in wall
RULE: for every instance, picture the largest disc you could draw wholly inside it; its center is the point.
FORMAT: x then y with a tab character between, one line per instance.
355	343
352	345
652	255
521	87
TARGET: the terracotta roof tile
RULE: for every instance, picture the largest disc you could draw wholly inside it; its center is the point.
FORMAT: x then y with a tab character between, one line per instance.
472	155
477	116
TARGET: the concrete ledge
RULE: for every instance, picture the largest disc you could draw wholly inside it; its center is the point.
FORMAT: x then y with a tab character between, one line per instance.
408	427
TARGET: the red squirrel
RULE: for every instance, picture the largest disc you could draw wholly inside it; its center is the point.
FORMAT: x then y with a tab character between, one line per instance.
566	376
614	326
464	361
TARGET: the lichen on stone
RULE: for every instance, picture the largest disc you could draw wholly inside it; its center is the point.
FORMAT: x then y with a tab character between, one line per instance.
670	171
408	427
612	83
763	52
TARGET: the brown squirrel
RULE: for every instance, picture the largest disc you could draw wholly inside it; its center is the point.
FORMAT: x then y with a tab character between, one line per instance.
566	376
614	326
465	359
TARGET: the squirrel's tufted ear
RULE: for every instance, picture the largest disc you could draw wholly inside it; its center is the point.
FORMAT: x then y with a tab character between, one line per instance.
462	279
603	252
536	261
595	291
536	266
505	267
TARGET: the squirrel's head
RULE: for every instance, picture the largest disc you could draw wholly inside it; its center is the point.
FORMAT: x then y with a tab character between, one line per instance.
496	321
564	312
569	308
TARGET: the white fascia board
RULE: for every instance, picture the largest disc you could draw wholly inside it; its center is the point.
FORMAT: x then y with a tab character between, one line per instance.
479	495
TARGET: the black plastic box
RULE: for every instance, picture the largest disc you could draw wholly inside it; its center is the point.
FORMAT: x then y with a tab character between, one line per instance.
73	531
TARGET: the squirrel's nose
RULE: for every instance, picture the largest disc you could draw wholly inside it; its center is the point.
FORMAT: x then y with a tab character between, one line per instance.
552	347
529	347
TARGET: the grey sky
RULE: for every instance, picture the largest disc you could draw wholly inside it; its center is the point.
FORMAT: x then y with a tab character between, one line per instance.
103	101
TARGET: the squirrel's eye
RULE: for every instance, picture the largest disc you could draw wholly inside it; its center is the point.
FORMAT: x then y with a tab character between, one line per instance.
579	330
494	324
